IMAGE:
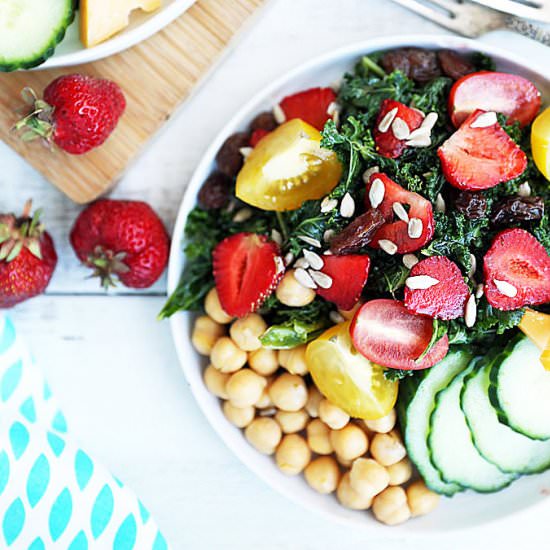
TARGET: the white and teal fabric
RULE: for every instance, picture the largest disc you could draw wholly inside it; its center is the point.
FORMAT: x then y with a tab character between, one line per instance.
53	495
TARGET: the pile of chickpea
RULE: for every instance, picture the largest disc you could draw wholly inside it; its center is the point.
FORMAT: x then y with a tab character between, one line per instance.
266	393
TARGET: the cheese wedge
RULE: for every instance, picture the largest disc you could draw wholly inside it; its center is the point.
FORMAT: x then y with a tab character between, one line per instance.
101	19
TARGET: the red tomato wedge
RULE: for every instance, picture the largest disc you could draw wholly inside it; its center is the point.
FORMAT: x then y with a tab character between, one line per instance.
311	106
396	230
387	334
509	94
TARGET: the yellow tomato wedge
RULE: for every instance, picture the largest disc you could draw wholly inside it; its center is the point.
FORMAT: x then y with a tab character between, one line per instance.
288	167
545	358
536	326
540	142
347	378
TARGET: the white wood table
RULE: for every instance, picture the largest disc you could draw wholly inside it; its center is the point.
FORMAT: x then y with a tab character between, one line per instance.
113	366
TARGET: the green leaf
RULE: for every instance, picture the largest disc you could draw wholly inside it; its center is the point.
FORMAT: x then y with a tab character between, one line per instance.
290	334
439	330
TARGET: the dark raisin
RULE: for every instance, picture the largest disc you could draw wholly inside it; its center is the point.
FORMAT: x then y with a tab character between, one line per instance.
416	63
229	158
264	121
472	205
454	65
358	233
214	192
517	209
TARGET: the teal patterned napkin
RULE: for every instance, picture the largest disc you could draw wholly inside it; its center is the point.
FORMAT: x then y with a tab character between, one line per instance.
52	493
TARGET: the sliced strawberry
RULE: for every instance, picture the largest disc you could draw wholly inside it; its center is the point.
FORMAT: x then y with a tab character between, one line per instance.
349	275
386	143
476	158
522	263
395	229
445	299
509	94
257	135
311	106
387	334
247	268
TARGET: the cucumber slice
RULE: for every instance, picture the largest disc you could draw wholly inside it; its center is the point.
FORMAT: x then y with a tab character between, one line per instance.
519	389
415	404
452	450
497	443
30	30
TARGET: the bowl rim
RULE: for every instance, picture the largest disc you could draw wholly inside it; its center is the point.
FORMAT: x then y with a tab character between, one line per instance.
177	260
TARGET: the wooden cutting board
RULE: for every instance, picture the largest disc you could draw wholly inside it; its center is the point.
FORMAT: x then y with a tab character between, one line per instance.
156	76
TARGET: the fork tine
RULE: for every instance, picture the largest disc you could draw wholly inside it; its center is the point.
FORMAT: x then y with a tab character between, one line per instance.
541	13
433	14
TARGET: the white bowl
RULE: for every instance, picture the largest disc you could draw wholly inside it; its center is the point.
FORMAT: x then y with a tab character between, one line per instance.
463	511
143	25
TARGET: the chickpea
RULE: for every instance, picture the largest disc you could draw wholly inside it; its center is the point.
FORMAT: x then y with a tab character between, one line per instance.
245	387
367	477
350	442
283	356
292	422
382	425
226	356
350	498
264	434
291	293
323	474
264	402
292	454
288	392
332	416
314	398
318	437
346	463
387	449
421	500
246	332
400	472
295	363
264	361
214	309
205	334
215	381
240	417
390	506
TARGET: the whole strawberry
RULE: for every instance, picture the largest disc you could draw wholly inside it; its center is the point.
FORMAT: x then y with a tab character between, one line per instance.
78	112
27	257
123	239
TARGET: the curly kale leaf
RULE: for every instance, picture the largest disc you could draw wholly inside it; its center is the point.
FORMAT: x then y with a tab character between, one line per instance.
542	232
394	375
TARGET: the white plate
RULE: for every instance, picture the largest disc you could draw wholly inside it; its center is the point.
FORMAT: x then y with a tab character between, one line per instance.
143	25
464	510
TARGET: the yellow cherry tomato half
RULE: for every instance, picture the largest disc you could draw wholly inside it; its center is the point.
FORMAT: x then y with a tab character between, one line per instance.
540	142
347	378
536	326
287	167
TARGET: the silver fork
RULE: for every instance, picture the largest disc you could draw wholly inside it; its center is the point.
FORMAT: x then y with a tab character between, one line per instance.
529	9
473	20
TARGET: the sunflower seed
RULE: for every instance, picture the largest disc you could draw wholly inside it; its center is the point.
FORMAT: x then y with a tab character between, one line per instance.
410	260
387	121
310	240
276	237
473	267
304	278
400	211
429	122
314	260
245	152
323	280
369	172
415	228
328	204
347	206
279	114
376	192
420	282
335	317
389	247
524	190
332	108
328	234
400	128
440	205
504	287
336	118
301	262
470	312
419	133
242	215
485	120
479	290
289	258
327	253
420	141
